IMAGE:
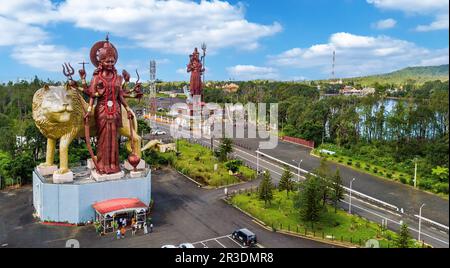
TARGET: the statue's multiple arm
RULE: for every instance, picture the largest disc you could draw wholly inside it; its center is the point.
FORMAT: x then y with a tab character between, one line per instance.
136	92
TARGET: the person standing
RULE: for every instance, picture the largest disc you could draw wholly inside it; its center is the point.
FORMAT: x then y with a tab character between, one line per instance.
133	229
145	228
122	232
118	234
151	227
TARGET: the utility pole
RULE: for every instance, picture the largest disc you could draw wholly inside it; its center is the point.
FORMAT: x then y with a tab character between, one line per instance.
415	173
420	222
153	103
351	191
257	161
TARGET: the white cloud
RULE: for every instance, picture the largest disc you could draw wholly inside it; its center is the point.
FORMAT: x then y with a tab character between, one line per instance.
384	24
182	71
360	55
439	9
441	23
47	57
29	11
169	26
411	6
251	72
174	26
17	33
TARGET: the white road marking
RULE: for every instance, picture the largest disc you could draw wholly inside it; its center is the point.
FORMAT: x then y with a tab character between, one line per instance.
304	171
229	237
398	223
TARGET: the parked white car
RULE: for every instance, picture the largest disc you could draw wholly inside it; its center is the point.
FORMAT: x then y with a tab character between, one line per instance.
169	246
186	245
159	132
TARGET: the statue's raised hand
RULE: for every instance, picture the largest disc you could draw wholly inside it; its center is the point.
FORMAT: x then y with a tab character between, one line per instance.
82	73
126	76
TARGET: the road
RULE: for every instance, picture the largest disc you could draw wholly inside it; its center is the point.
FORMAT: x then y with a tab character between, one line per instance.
369	185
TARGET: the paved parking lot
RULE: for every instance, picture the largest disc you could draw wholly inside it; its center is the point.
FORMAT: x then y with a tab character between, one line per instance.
220	242
182	213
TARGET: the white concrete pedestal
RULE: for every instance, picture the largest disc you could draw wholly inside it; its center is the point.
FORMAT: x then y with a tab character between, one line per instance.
63	178
129	167
106	177
90	164
45	171
136	174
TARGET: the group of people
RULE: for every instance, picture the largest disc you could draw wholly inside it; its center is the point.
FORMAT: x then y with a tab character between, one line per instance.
122	224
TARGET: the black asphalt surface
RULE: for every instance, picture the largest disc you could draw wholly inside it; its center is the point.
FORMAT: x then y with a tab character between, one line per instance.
400	195
182	213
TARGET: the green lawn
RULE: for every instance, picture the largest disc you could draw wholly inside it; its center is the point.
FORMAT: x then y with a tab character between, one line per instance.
340	226
198	162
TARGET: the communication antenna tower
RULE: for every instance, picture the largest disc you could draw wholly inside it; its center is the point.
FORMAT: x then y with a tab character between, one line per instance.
153	103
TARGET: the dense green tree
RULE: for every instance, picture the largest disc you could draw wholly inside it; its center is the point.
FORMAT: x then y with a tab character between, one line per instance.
35	141
337	191
266	188
225	148
143	127
309	198
234	165
324	176
403	237
286	183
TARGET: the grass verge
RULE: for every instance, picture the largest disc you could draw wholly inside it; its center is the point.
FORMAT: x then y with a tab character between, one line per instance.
340	227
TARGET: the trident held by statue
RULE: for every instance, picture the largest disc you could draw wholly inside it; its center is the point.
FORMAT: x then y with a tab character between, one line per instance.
68	70
203	59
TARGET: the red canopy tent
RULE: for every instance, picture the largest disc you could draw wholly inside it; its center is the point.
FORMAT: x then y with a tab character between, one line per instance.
107	210
120	204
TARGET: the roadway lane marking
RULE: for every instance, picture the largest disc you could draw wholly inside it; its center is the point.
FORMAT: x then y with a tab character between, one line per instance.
347	189
374	206
235	242
353	191
398	223
217	241
222	245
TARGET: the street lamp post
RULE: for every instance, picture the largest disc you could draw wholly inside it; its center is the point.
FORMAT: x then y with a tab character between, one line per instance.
298	168
257	161
351	191
415	173
420	221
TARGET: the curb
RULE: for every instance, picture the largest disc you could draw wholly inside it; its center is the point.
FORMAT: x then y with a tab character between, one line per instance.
189	178
58	224
266	227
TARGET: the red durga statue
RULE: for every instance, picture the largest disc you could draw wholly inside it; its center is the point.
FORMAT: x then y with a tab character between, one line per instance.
110	91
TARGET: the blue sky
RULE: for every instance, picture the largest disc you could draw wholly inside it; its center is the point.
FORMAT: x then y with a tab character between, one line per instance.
251	39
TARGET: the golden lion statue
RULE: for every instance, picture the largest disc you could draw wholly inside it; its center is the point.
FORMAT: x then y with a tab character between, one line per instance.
59	115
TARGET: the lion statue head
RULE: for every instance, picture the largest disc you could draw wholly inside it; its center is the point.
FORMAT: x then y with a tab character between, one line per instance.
58	111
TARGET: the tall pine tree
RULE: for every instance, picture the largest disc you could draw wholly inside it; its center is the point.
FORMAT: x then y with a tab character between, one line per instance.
266	188
309	199
286	183
337	191
403	238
